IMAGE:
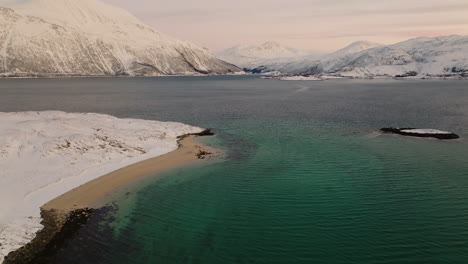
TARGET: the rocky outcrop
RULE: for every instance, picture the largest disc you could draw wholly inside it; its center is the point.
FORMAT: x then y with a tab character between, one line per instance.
424	133
58	227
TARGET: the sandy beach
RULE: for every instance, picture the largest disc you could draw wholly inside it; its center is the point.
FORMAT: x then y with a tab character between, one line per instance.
46	154
68	212
93	194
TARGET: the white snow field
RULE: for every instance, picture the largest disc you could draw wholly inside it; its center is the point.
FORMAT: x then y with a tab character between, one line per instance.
46	154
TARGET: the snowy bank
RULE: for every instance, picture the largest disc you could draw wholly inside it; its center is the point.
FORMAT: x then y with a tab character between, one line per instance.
316	77
299	78
46	154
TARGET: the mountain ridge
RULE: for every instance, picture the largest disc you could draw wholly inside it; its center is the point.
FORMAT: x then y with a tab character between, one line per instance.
424	57
91	38
251	56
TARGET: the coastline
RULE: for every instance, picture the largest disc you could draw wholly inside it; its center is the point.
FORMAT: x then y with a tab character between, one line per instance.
380	77
66	214
58	77
94	193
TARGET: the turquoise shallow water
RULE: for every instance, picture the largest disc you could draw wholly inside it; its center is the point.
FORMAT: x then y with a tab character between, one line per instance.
307	178
302	197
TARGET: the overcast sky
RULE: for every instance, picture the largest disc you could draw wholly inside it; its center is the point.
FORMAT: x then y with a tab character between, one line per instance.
322	25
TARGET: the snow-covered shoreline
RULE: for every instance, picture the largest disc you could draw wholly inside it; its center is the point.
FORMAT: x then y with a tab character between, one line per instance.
320	77
299	78
46	154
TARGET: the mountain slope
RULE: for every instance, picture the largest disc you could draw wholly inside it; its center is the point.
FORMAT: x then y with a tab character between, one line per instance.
311	63
420	57
314	64
88	37
254	56
354	47
438	56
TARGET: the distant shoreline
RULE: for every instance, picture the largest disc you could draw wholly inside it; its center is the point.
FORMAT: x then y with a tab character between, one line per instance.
113	76
263	76
67	213
325	77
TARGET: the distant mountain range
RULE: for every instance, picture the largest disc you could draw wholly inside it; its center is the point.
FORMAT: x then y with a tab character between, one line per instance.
355	47
251	56
419	58
445	56
91	38
306	65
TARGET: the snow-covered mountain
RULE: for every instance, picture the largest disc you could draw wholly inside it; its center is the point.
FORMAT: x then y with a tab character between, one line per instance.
438	56
312	64
307	63
354	47
251	56
421	57
89	37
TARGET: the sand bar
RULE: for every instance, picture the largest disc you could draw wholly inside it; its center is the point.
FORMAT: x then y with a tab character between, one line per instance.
93	194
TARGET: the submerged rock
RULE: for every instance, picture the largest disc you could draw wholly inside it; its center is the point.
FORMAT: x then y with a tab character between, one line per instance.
58	228
425	133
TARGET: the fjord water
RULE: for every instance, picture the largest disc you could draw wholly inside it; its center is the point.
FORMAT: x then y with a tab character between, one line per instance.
307	177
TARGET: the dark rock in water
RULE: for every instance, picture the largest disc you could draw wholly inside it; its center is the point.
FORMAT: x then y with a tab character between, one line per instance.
58	227
424	133
206	132
203	154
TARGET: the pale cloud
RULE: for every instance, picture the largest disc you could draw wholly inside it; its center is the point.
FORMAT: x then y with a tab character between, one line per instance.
323	25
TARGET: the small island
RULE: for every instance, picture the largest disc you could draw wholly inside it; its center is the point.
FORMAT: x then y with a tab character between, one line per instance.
424	133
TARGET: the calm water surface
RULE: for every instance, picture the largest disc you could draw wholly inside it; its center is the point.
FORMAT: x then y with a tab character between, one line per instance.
307	179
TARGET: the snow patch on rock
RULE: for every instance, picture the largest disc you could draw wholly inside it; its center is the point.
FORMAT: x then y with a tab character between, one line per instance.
425	131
